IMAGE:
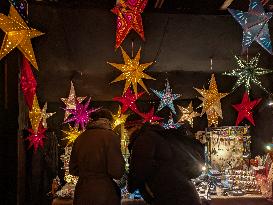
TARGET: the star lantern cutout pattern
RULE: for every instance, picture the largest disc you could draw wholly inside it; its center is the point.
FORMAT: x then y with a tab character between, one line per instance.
36	138
45	115
35	115
247	73
188	114
17	34
150	116
129	17
166	97
70	102
255	25
128	100
171	124
211	102
28	82
245	109
132	72
81	114
72	134
119	118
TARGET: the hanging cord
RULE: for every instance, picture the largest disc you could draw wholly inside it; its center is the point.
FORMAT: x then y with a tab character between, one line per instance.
211	63
132	51
247	55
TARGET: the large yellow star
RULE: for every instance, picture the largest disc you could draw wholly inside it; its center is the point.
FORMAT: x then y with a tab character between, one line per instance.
187	114
211	100
119	118
17	34
132	71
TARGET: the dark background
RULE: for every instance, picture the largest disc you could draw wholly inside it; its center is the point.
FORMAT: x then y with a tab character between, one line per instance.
181	37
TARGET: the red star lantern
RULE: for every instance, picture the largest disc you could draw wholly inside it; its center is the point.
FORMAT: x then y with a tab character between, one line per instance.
150	117
36	139
128	100
28	82
129	17
245	109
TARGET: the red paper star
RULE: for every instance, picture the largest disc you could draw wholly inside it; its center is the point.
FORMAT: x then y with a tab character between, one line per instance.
245	109
36	139
129	17
150	117
128	100
28	82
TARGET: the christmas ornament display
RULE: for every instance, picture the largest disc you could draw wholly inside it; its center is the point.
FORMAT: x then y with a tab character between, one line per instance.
36	138
72	134
17	34
70	102
128	100
119	118
171	124
45	115
150	116
28	83
211	102
255	25
129	17
35	115
245	109
132	71
248	73
166	97
188	114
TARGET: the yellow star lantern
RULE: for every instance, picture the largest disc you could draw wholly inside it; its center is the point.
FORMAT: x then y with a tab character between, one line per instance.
72	134
119	118
35	115
187	114
211	102
132	71
17	34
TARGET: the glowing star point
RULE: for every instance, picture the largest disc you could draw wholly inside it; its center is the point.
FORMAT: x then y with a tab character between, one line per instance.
188	114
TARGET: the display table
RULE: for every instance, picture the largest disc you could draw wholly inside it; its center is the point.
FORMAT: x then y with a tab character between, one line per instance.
216	200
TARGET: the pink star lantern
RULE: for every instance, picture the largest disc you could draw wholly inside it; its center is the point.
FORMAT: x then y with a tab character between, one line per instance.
128	100
36	139
245	109
150	117
28	82
81	114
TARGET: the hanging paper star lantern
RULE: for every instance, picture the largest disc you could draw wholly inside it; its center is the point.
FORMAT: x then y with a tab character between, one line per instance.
128	100
132	71
255	25
171	124
129	17
119	118
70	102
211	101
17	34
36	138
45	115
166	97
187	114
245	109
35	114
150	116
81	114
28	83
248	73
72	134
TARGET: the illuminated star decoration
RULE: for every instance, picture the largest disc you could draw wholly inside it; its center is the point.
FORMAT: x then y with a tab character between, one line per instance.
17	34
72	134
245	109
36	138
45	115
171	124
119	118
187	114
150	117
211	102
255	25
132	71
129	17
166	97
28	83
35	114
70	102
81	114
248	73
128	100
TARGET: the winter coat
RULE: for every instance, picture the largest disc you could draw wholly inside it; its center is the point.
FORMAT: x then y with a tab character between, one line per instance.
97	159
162	164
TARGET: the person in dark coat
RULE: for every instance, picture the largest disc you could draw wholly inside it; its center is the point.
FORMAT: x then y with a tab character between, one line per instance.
97	159
162	164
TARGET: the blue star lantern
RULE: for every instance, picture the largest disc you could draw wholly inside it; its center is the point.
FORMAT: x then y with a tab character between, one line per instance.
171	124
166	97
255	25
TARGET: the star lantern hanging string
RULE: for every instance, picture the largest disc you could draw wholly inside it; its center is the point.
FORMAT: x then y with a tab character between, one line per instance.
188	114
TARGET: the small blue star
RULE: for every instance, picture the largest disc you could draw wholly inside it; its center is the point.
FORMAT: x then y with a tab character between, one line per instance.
171	124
